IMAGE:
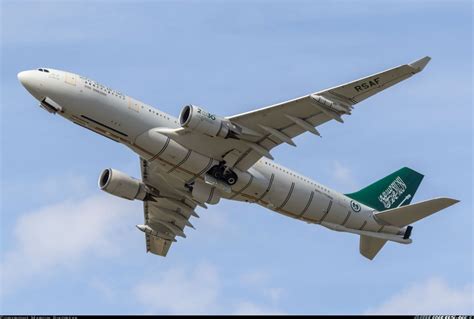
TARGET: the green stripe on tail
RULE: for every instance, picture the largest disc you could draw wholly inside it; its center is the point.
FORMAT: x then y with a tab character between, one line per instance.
397	189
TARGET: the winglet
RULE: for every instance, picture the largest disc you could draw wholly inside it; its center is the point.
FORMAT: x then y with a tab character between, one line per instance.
420	64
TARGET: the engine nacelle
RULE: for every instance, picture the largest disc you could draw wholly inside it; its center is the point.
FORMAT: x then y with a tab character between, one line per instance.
205	193
199	120
120	184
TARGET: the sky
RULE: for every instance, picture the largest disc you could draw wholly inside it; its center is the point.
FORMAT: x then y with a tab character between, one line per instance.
68	248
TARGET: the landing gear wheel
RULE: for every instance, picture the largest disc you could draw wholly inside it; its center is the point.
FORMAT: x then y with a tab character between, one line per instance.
230	178
217	172
223	173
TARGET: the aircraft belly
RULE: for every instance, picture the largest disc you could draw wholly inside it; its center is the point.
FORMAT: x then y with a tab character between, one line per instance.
318	209
262	186
356	220
173	159
109	111
280	192
197	163
390	229
371	224
241	187
338	214
296	200
257	188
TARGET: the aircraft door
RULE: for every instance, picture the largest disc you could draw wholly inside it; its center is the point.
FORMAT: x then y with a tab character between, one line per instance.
70	78
133	105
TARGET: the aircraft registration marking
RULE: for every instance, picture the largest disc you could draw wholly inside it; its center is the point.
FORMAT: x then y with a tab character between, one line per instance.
367	85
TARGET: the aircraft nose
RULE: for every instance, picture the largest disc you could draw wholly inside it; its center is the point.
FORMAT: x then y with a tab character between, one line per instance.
31	83
25	78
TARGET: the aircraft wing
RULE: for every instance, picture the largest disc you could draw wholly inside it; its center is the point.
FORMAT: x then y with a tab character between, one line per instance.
279	123
167	211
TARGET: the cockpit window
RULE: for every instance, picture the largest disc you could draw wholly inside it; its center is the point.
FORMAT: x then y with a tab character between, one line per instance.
43	70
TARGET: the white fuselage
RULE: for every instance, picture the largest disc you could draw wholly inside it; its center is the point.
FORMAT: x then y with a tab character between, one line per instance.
133	123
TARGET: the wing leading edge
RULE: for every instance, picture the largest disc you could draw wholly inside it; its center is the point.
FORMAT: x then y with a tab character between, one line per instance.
281	122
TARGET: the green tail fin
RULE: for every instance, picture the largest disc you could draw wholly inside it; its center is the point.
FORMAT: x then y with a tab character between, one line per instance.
397	189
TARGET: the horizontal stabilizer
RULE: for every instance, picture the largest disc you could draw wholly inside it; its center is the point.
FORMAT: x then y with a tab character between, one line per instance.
370	246
405	215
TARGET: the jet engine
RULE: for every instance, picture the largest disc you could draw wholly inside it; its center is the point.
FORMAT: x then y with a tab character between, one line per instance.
120	184
199	120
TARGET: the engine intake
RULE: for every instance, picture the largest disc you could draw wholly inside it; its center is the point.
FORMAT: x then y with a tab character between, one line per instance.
120	184
199	120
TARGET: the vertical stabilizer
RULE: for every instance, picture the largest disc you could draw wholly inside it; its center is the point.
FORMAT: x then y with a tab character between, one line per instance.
394	190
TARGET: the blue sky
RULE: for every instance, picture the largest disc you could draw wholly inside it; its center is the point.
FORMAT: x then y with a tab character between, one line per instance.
66	247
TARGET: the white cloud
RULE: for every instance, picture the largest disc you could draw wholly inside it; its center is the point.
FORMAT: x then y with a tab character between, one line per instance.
180	291
261	281
62	236
55	239
433	296
59	236
343	176
197	290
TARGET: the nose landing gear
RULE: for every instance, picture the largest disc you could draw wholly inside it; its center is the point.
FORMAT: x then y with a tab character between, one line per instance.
223	173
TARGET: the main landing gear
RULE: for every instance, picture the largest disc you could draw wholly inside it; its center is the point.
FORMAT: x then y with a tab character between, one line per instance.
223	173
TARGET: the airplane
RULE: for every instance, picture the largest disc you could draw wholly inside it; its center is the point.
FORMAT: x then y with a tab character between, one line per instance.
198	158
